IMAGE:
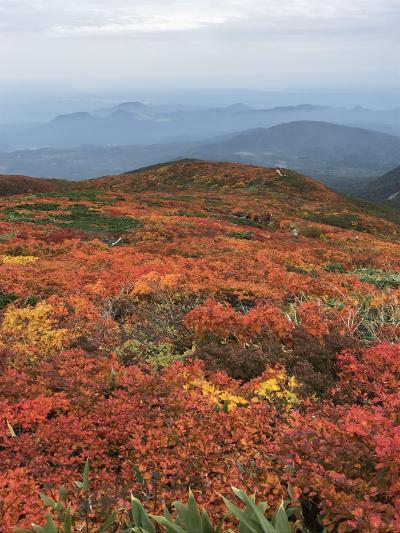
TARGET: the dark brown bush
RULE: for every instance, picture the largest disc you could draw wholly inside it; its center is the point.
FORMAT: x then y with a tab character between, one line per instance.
313	359
244	363
5	356
58	236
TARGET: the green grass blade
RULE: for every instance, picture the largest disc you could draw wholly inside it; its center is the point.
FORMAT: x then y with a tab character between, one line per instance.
193	514
264	524
170	526
242	516
281	520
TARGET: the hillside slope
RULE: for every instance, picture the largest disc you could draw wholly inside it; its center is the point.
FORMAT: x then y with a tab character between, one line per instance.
386	188
205	175
340	156
182	326
10	185
321	149
284	192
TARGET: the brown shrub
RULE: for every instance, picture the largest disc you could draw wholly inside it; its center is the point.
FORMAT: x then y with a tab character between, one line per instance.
239	362
313	359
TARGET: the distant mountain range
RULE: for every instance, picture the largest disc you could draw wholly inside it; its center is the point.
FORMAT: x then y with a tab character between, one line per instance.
136	123
340	156
328	151
345	148
88	161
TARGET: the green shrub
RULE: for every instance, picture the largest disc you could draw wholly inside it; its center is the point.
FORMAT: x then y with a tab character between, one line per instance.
6	299
296	269
245	235
80	216
312	232
90	195
243	222
38	207
181	198
152	321
31	300
382	279
296	180
7	236
14	215
193	214
157	355
18	250
335	267
343	221
372	320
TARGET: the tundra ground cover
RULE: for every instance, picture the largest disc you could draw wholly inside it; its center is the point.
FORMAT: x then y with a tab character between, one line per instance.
155	326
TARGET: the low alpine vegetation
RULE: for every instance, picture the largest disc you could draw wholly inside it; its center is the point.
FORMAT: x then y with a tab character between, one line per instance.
190	330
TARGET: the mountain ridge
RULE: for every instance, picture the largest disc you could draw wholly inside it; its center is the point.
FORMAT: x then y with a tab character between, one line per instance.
285	192
385	188
330	152
155	124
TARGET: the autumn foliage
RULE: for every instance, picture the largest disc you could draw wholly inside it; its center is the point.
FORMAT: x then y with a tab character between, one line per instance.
146	324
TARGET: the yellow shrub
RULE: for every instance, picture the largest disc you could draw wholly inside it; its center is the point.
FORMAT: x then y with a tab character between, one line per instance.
219	396
278	387
18	259
32	331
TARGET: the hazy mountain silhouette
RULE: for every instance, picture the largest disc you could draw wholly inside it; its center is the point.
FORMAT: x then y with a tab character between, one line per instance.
138	123
385	188
341	156
317	148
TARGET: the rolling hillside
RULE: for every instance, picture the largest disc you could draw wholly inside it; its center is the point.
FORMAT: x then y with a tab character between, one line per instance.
192	326
278	189
11	185
386	188
325	150
340	156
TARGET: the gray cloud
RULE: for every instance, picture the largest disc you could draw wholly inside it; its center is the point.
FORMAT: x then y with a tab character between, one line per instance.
218	41
75	17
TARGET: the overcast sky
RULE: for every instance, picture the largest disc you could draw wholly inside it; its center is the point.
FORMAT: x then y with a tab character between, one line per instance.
273	44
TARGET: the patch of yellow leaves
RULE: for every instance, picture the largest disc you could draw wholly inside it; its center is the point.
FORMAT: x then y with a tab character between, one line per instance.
278	387
32	331
218	396
18	259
